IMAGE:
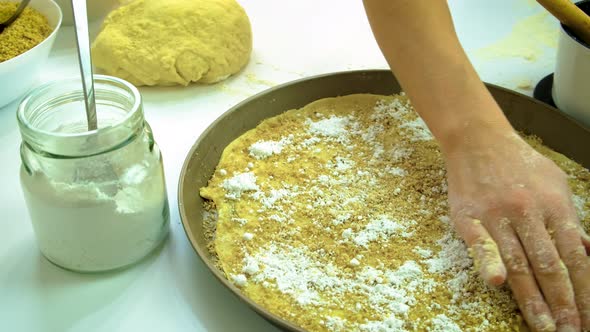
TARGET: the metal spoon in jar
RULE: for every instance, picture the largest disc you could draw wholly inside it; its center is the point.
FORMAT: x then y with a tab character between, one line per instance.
83	41
106	176
19	10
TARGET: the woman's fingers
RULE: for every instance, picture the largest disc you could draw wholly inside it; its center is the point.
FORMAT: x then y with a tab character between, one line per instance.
521	278
550	272
572	252
483	249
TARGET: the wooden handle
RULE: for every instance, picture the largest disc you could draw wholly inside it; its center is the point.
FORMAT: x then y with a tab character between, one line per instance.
571	16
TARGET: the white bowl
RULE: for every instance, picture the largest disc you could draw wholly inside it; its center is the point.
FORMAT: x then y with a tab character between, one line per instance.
20	73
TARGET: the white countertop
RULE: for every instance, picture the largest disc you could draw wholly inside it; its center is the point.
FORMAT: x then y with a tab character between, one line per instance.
172	290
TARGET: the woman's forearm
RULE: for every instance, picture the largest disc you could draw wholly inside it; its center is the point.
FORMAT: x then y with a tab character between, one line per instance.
420	44
501	191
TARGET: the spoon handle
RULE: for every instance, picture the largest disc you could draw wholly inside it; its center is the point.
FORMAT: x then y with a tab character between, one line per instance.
21	7
570	15
83	40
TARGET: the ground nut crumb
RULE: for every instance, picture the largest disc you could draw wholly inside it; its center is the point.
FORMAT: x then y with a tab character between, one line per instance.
26	32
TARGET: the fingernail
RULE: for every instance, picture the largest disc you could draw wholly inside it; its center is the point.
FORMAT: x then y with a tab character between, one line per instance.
545	323
568	328
494	275
489	263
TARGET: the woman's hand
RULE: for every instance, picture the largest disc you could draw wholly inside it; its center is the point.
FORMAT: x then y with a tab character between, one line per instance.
511	205
513	208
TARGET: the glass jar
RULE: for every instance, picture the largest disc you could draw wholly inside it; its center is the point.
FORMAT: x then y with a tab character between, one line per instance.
97	199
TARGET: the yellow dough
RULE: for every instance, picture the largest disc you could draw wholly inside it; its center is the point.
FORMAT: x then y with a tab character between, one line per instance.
155	42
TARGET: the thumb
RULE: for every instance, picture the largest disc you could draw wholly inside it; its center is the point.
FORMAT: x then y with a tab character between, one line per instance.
483	249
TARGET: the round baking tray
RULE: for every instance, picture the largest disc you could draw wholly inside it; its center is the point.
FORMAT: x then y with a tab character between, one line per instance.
526	114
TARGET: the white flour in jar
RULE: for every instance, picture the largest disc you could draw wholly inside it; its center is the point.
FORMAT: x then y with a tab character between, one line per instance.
102	223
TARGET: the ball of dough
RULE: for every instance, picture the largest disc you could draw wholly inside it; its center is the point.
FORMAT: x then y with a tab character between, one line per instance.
155	42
